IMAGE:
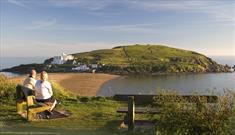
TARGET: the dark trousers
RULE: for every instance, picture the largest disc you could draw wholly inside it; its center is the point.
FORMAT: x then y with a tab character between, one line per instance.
45	100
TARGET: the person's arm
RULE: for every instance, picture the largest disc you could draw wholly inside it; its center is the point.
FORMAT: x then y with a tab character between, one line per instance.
32	82
50	89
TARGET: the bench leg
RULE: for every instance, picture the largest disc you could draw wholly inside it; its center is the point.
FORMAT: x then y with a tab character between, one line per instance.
20	107
31	115
131	113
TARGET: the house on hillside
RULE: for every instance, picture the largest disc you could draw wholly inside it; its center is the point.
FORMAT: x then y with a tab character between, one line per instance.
62	59
83	67
94	66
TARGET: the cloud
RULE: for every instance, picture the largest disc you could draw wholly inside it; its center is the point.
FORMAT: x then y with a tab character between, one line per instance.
218	10
92	5
223	11
130	28
19	3
42	24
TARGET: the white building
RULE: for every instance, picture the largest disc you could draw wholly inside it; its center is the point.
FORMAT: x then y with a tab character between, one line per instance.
81	68
62	59
232	69
94	66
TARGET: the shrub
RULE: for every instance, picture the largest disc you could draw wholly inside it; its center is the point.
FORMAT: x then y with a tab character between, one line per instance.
84	99
195	118
7	88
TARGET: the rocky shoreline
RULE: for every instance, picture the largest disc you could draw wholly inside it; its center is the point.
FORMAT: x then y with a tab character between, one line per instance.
213	68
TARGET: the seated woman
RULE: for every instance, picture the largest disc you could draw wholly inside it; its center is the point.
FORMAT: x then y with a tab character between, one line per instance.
43	90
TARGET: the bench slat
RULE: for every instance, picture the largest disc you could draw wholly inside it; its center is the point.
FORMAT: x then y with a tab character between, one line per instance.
140	110
141	99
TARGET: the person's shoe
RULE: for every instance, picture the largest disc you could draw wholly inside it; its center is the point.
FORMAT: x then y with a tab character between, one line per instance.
53	105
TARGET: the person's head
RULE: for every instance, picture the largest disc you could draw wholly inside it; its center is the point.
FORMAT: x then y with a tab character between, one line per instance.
33	73
44	76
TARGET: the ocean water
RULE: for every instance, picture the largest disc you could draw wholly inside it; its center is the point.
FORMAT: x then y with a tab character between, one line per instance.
183	83
208	83
229	60
8	62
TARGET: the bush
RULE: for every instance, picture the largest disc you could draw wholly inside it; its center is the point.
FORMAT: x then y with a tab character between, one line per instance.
7	89
84	99
195	118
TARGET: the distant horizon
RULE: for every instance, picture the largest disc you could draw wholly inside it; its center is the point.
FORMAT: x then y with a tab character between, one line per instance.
50	27
59	53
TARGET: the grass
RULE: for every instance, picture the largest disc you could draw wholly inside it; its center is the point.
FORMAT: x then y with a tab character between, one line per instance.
87	117
158	57
90	115
139	53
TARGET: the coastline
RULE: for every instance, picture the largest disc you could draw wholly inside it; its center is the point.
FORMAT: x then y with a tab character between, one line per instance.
83	84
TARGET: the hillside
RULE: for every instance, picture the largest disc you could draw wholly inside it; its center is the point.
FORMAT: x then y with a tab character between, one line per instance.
140	59
150	58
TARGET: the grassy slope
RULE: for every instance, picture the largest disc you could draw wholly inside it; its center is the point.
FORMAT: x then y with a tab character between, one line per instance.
138	53
93	116
90	115
138	59
171	59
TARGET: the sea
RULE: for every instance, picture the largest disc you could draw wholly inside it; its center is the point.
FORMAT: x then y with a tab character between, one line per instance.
187	84
8	62
134	84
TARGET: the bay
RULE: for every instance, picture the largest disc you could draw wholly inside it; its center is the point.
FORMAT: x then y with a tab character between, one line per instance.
210	83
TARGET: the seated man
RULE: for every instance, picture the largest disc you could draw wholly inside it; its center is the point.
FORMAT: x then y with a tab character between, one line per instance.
30	81
43	90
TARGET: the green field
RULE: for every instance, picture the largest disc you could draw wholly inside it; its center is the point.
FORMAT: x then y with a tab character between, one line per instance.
97	116
134	59
150	59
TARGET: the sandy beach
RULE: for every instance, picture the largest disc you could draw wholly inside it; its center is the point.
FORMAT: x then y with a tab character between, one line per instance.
84	84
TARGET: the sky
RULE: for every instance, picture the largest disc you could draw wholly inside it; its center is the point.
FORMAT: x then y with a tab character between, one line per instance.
36	28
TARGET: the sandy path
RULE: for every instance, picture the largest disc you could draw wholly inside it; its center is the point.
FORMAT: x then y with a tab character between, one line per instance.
84	84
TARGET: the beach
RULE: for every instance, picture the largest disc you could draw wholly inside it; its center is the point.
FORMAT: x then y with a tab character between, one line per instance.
83	84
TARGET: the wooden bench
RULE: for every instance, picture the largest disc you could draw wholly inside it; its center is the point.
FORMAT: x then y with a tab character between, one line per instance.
26	105
134	100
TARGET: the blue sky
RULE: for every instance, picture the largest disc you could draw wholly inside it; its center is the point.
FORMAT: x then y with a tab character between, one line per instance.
49	27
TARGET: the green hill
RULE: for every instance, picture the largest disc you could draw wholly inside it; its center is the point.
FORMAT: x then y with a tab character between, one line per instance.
140	59
150	59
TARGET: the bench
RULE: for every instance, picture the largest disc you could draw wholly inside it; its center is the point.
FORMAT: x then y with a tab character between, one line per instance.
134	100
26	104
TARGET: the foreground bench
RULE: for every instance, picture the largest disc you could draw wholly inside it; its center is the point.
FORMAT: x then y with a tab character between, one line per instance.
26	106
134	100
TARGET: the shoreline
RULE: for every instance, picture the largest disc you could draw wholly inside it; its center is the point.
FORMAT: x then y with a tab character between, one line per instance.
83	84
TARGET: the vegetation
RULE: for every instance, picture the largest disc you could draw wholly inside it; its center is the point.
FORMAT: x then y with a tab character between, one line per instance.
150	59
141	59
97	116
200	118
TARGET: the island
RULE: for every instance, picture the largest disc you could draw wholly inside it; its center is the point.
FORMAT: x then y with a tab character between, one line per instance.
131	59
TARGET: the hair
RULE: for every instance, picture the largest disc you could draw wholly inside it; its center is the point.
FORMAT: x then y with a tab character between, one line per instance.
44	76
32	72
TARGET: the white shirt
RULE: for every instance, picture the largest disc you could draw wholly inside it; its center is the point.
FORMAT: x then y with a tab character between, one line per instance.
43	90
29	82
